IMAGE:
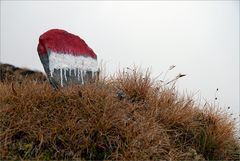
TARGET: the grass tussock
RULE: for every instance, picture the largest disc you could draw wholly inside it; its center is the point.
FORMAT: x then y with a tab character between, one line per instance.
127	117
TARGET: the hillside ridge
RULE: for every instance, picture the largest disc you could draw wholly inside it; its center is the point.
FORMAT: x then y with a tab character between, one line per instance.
128	116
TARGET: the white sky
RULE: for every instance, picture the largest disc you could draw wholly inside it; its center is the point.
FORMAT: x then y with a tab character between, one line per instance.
200	38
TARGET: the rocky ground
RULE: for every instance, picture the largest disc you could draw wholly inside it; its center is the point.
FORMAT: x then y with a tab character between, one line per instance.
11	73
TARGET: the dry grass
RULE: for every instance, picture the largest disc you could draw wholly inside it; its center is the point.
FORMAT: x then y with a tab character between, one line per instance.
127	117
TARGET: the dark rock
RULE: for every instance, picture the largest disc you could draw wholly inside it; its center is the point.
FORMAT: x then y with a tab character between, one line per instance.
10	73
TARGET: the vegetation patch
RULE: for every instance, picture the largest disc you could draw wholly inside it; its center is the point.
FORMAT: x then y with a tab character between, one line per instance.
126	117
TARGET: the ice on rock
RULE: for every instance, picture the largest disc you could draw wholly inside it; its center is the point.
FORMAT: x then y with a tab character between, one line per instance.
66	58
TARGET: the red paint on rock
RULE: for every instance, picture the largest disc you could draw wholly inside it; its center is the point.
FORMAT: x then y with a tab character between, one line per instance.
61	41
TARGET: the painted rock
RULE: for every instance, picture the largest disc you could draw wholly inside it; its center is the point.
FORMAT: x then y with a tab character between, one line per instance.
66	58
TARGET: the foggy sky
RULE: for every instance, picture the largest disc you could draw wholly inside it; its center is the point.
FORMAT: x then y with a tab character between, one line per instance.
200	38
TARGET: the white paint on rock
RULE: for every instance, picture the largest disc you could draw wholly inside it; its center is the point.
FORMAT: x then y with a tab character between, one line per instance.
66	62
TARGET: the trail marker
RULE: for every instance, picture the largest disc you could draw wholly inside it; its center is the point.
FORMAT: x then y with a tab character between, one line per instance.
66	58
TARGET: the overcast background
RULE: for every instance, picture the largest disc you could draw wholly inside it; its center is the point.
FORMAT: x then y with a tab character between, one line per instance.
200	38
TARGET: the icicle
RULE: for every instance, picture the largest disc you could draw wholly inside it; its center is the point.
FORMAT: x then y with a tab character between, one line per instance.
84	73
92	74
64	73
78	74
75	72
82	77
51	73
70	71
61	77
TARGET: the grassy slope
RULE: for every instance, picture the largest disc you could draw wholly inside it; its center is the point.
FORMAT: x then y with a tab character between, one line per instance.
128	117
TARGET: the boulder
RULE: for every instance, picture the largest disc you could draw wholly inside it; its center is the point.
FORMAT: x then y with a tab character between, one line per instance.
66	58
